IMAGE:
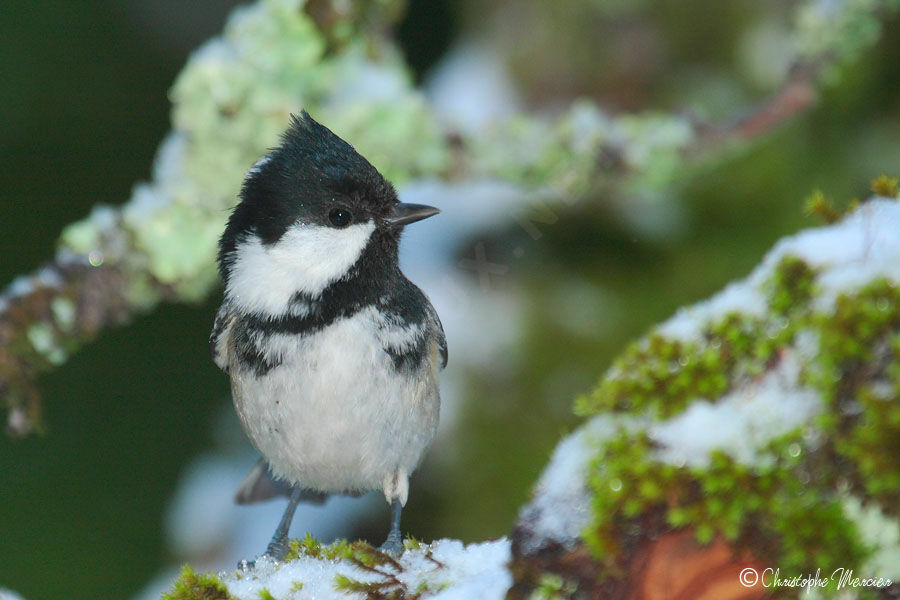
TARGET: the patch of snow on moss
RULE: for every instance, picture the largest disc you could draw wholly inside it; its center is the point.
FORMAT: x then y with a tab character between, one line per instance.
561	506
850	254
443	570
742	421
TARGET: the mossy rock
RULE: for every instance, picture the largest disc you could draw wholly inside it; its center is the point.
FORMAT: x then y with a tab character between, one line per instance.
744	433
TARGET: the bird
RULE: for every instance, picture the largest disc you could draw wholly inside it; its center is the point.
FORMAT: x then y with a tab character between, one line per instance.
333	354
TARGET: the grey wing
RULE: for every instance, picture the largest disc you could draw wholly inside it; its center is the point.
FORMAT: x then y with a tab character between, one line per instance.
438	333
220	336
260	485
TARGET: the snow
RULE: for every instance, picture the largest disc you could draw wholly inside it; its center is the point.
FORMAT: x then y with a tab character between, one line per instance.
742	421
688	323
6	594
560	509
882	534
862	247
450	569
850	254
473	571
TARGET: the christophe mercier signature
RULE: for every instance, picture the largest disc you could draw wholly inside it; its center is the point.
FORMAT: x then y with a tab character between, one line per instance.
841	578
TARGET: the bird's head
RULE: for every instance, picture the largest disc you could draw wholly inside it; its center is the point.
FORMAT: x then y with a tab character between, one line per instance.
311	211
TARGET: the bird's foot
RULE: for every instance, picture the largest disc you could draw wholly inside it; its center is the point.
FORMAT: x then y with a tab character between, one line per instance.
278	549
393	545
275	552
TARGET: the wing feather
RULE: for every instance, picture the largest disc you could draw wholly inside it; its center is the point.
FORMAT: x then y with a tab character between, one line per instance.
437	330
220	336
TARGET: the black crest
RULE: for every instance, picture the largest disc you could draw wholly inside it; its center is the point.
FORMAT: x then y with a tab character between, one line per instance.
312	172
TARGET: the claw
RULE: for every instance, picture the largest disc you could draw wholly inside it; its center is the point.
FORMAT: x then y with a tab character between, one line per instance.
280	546
278	549
393	545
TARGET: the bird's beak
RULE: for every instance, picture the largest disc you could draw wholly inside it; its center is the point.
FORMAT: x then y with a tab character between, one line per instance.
405	213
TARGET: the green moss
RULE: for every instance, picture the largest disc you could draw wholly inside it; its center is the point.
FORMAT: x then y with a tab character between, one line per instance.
791	286
774	508
337	550
857	331
412	543
661	376
553	587
817	204
383	588
358	552
366	555
747	344
368	558
871	445
265	594
885	186
624	481
342	583
858	374
191	585
787	507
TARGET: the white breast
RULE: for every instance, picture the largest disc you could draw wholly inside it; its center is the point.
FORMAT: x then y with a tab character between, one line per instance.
335	415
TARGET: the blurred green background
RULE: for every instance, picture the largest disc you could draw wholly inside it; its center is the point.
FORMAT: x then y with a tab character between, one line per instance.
84	107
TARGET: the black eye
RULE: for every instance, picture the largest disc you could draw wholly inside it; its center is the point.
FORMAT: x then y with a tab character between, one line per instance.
340	217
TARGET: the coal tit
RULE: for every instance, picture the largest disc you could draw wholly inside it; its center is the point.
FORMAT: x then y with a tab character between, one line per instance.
333	353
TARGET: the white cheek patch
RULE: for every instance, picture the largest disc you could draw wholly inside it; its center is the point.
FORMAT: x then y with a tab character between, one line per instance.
306	259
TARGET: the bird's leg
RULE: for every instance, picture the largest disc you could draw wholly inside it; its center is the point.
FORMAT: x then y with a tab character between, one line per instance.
279	546
393	545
